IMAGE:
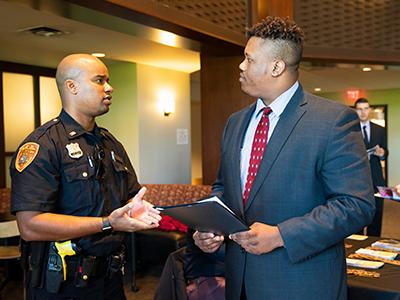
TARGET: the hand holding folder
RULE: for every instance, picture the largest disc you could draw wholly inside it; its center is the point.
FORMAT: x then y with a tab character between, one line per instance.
208	215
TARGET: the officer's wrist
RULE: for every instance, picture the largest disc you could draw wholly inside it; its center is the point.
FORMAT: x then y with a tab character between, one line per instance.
106	224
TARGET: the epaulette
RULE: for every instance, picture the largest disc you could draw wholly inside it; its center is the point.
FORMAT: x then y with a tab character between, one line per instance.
103	129
41	130
106	134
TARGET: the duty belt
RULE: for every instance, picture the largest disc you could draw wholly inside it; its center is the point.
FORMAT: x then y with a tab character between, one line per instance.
86	267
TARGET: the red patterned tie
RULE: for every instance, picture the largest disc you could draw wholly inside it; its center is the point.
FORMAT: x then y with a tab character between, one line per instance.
257	151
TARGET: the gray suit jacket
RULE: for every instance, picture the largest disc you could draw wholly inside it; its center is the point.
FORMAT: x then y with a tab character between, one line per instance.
314	183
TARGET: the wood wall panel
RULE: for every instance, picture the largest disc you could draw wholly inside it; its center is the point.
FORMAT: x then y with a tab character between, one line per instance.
259	9
220	97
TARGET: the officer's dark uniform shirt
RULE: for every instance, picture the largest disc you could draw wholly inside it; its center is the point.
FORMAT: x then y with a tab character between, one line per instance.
63	169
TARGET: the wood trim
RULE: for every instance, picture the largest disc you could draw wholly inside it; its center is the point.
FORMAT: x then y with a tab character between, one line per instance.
36	99
26	69
351	55
2	139
180	18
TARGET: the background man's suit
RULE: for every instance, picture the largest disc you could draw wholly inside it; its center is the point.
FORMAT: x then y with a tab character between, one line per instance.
314	182
377	137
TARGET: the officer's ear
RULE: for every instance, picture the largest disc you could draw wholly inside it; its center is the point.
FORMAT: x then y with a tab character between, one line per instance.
71	87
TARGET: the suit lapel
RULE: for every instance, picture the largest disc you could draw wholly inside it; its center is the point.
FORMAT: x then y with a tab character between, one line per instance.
293	112
243	123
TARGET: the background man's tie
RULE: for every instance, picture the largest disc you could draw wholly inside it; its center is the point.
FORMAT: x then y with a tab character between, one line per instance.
366	142
257	151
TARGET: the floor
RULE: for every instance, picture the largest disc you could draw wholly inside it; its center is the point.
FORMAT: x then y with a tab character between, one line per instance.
147	280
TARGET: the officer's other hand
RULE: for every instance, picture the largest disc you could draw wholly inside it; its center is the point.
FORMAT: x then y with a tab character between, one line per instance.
136	215
143	210
207	241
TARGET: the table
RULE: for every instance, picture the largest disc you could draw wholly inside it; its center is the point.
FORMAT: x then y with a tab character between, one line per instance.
386	287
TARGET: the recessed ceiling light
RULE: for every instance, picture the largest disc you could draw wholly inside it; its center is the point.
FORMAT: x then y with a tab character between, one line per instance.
317	89
367	69
98	54
44	31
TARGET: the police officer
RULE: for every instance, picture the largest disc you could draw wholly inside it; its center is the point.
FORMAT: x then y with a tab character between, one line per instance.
73	181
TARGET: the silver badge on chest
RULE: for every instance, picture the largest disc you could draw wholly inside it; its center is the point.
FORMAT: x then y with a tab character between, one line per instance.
74	151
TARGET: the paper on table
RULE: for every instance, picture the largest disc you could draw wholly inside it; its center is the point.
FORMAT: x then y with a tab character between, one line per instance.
380	254
367	264
357	237
387	244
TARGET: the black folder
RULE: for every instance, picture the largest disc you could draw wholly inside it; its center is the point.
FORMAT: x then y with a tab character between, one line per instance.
208	215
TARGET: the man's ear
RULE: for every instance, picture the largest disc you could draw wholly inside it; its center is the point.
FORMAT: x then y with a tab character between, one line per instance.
278	68
71	87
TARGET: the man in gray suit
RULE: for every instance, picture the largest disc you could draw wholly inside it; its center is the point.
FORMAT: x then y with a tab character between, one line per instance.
302	188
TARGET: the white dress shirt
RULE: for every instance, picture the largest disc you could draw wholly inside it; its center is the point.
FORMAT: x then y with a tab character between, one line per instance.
277	106
367	129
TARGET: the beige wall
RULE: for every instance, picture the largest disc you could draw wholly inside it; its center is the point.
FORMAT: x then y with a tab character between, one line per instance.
162	160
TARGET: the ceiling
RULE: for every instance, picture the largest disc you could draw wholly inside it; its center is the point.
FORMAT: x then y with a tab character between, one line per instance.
130	42
90	31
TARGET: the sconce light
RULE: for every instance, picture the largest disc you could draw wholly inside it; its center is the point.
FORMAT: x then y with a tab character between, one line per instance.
167	102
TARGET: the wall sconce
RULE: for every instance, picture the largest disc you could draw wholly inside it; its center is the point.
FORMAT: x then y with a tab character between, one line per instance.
167	102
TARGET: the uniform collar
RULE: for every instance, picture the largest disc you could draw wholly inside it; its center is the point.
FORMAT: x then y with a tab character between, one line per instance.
73	128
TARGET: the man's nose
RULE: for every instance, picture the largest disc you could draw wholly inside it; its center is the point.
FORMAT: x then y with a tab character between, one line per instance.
242	65
109	88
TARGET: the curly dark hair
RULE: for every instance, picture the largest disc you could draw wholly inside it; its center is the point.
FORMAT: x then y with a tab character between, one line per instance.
286	36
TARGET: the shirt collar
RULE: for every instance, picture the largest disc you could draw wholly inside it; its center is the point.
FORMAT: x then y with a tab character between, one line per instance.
366	123
73	128
278	105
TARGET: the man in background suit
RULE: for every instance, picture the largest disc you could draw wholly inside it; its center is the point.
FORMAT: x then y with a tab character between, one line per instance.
302	189
374	139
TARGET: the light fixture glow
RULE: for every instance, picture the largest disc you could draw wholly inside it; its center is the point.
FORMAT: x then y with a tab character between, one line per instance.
167	38
367	69
98	54
167	102
317	89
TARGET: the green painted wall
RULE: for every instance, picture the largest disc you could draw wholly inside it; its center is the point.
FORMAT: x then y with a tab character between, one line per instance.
122	119
391	98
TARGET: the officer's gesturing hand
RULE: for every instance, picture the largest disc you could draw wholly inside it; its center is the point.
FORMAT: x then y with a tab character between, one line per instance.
138	214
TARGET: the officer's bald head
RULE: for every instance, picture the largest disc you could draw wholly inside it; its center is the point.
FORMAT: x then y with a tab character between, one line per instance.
71	67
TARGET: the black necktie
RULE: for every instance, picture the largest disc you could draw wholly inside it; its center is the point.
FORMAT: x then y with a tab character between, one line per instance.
365	135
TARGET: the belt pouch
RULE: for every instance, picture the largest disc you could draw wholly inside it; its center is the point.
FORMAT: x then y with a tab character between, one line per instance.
85	271
54	271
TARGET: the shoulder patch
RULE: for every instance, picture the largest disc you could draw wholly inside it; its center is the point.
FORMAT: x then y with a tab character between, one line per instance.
26	154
